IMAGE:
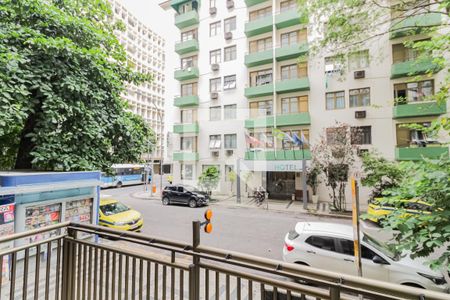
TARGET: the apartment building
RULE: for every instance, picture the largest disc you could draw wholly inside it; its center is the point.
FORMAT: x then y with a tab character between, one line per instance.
146	51
240	77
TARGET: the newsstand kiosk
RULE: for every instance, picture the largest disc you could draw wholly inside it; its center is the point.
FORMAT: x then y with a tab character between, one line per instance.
30	200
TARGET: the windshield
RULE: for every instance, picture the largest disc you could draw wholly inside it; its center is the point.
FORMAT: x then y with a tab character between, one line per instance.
113	208
380	247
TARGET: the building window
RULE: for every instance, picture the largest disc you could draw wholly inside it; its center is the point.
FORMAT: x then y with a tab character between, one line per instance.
294	37
188	143
358	60
401	53
229	24
288	5
228	169
413	91
187	171
292	105
189	62
212	3
189	35
260	13
265	137
333	64
184	8
229	112
215	113
361	135
215	56
215	142
261	77
214	28
336	135
214	85
261	108
188	116
189	89
294	71
407	136
229	53
335	100
229	82
230	141
359	97
260	45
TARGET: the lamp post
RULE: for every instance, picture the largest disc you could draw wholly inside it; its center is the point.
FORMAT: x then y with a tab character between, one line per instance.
158	112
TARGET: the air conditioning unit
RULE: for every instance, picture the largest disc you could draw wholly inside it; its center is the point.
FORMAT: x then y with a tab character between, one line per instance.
214	96
359	74
230	4
215	67
228	35
360	114
212	10
229	152
215	153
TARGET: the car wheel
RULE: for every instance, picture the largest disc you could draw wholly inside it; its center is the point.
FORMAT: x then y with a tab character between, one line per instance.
119	184
192	203
165	201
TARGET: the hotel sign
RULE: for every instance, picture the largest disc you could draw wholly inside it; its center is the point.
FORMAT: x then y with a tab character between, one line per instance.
272	166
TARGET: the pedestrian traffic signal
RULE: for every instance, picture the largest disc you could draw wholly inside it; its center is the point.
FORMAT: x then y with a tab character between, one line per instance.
207	223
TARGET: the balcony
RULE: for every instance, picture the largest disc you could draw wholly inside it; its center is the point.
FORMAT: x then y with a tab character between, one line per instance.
289	18
292	85
418	110
186	46
415	24
176	3
187	19
277	155
186	128
414	67
281	120
258	58
185	156
411	153
254	2
258	26
259	91
186	74
291	51
184	101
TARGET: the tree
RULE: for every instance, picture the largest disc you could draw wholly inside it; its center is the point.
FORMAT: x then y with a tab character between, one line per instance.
313	179
209	179
232	178
62	73
335	156
350	25
380	174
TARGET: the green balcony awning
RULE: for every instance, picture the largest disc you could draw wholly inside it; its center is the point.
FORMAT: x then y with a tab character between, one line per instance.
414	24
422	109
414	67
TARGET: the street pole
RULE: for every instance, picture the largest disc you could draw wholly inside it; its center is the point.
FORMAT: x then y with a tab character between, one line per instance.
160	149
355	221
238	180
304	187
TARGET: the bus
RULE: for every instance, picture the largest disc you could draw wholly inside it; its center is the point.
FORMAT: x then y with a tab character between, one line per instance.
124	174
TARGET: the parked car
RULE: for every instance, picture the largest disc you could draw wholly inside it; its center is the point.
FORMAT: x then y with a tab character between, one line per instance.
329	247
184	194
377	210
117	215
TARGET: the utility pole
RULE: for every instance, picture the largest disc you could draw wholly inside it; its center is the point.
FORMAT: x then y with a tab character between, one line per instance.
304	187
356	230
238	180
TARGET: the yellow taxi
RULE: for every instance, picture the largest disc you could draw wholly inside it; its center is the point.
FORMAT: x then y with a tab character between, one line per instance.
378	210
114	214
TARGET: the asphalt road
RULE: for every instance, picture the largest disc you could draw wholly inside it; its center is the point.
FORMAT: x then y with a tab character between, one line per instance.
254	231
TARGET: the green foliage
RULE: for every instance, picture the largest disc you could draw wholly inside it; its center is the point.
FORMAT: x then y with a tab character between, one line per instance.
209	179
62	73
380	174
313	179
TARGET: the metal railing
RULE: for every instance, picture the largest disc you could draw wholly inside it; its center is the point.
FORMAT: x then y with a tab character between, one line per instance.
80	261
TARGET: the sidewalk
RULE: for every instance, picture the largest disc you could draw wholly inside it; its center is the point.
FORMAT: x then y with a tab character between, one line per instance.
320	209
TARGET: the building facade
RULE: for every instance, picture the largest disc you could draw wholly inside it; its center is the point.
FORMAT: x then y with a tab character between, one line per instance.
146	51
245	78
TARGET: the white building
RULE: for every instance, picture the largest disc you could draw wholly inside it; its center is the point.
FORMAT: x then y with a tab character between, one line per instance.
146	50
239	72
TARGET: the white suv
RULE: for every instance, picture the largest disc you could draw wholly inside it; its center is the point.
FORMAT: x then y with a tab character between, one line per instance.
329	247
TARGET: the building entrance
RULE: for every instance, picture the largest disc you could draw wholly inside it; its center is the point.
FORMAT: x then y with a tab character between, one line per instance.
280	185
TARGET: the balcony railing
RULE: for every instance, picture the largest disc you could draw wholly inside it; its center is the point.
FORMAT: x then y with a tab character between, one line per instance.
91	262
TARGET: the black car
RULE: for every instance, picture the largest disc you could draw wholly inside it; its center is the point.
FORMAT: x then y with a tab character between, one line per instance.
184	194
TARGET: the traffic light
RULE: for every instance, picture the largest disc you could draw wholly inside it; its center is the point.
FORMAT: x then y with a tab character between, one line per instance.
208	216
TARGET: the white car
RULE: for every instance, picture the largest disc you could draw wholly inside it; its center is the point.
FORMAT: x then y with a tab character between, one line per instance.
329	247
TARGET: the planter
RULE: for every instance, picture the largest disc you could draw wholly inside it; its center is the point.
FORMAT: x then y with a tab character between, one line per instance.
315	199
